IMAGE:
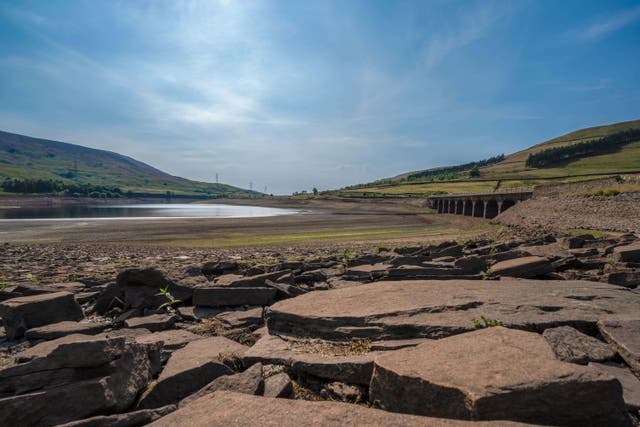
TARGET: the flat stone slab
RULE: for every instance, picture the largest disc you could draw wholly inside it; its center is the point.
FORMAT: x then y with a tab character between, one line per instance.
22	313
624	337
352	369
61	329
492	374
225	408
436	309
526	267
571	345
172	339
630	383
153	323
233	296
628	253
190	369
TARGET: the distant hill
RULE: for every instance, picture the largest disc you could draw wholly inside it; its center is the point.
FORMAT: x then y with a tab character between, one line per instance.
512	170
26	158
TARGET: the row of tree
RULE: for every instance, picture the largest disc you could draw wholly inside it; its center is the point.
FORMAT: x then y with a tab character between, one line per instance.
451	171
560	155
49	186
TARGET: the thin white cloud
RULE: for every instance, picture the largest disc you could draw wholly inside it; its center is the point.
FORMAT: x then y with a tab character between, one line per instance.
607	25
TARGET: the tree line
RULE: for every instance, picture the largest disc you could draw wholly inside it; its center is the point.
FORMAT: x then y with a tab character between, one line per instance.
49	186
594	147
451	171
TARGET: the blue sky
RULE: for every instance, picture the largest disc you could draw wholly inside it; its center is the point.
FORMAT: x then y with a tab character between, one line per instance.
296	94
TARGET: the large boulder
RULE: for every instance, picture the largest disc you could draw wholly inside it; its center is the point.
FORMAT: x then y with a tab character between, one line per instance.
436	309
228	296
141	287
495	374
571	345
75	377
624	337
22	313
191	368
224	408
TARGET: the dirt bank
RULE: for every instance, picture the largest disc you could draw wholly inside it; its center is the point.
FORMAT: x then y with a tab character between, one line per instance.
612	214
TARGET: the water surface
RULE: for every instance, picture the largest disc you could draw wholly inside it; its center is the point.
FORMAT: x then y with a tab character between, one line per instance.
140	211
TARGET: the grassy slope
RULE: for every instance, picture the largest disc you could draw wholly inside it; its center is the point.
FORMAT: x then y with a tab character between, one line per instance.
26	157
512	171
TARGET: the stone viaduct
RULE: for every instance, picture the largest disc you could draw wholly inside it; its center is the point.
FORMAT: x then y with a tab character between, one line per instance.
482	205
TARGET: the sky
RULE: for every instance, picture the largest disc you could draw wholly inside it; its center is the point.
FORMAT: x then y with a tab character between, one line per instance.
291	95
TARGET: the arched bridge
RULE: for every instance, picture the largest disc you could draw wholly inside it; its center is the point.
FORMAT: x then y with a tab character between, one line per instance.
482	205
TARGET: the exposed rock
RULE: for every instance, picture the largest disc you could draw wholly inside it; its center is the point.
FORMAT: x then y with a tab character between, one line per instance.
110	296
233	296
141	287
526	267
154	322
242	318
219	267
630	383
76	377
256	281
472	264
27	289
247	382
172	339
130	419
278	385
628	253
365	272
22	313
190	369
493	374
284	290
624	337
61	329
436	309
236	409
629	279
573	346
353	369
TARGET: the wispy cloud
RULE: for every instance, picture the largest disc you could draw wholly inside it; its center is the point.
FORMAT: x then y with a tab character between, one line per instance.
607	25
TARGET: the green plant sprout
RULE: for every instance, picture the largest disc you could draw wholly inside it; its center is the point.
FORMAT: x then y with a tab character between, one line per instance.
171	300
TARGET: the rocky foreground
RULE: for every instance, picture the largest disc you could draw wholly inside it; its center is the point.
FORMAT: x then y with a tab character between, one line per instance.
517	332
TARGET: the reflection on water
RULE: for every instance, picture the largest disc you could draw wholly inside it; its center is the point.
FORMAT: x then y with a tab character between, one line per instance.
173	210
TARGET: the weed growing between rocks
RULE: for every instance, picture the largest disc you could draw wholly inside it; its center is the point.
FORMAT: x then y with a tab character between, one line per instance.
484	322
327	348
213	327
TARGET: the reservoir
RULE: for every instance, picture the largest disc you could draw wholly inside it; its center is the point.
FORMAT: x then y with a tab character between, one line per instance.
140	211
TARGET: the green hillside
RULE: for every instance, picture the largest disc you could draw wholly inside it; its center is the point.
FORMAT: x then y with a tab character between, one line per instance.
26	158
512	171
